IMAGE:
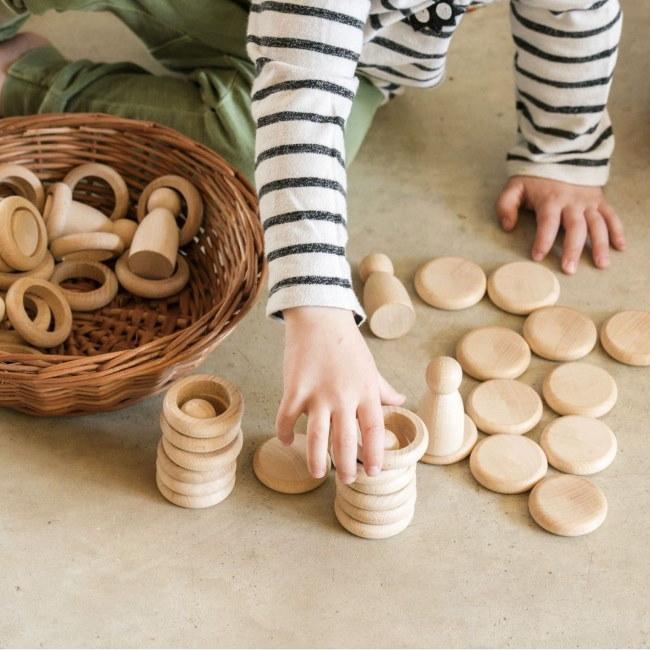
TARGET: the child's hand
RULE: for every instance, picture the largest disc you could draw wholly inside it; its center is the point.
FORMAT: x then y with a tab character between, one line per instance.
580	209
330	375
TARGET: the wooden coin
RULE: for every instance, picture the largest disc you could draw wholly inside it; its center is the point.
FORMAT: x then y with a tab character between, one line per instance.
206	461
470	436
578	445
199	408
22	323
580	388
522	287
203	501
184	475
370	531
626	337
386	482
284	469
23	181
504	406
560	334
152	289
86	300
376	501
109	176
197	445
450	283
567	505
196	489
493	353
23	237
508	464
42	272
376	517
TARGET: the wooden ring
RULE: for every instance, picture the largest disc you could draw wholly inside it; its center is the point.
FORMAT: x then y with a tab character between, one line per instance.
204	501
206	461
386	482
110	176
193	201
75	247
377	517
12	343
12	225
183	475
42	312
407	426
152	289
224	396
371	531
376	501
54	298
25	182
196	445
42	272
196	489
86	300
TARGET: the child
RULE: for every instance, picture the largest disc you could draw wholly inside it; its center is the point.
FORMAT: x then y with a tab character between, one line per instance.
320	69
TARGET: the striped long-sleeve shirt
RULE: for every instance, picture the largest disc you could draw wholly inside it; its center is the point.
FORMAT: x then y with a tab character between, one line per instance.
307	55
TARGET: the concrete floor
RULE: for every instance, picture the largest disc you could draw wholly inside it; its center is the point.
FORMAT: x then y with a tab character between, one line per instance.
90	554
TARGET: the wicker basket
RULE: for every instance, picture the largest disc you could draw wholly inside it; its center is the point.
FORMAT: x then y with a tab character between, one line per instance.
133	348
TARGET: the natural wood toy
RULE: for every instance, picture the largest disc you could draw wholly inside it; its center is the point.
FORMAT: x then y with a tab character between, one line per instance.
199	408
181	186
386	301
195	489
391	441
504	406
188	476
493	353
580	388
197	445
39	311
387	482
109	176
371	531
23	238
567	505
202	501
376	517
508	464
450	283
23	182
522	287
626	337
2	309
87	246
42	272
154	248
560	333
21	322
386	501
12	343
86	300
284	469
205	461
451	433
578	445
152	289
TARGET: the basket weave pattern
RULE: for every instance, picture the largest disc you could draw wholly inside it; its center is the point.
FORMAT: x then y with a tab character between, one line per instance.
133	348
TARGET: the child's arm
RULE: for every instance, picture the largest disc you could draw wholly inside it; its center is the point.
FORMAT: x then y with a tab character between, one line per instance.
306	55
565	59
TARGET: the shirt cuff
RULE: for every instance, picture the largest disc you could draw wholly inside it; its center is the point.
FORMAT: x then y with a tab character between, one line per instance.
576	175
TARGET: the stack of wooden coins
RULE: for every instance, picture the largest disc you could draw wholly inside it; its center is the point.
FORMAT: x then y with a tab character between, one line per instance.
202	438
376	507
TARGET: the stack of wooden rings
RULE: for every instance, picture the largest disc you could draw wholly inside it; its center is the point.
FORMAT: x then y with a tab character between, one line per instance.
377	507
201	439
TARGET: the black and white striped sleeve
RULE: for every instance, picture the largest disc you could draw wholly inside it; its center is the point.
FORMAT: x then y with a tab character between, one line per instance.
565	58
306	54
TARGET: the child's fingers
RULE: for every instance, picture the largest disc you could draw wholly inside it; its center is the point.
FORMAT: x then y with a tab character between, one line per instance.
599	237
388	395
318	431
288	413
548	218
509	202
615	225
344	445
575	238
371	422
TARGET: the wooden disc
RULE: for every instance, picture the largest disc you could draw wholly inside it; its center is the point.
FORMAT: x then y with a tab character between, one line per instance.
580	388
578	445
202	501
522	287
376	501
508	464
504	406
42	272
560	334
386	482
450	283
567	505
470	436
205	461
376	517
196	445
188	475
199	408
195	489
284	469
493	353
371	531
626	337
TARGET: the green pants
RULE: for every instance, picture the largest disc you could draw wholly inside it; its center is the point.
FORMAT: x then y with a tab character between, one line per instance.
203	41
